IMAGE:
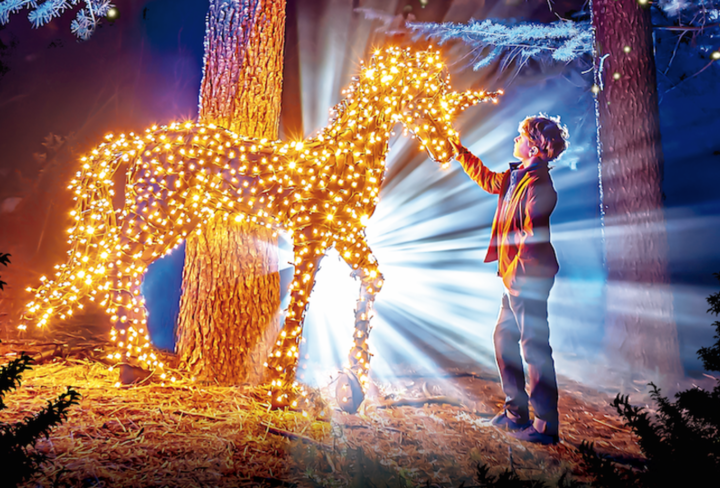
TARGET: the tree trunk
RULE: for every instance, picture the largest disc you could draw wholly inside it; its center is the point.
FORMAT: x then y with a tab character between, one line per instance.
640	328
229	311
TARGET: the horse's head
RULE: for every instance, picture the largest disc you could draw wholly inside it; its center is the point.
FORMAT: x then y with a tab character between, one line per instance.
412	88
427	106
432	124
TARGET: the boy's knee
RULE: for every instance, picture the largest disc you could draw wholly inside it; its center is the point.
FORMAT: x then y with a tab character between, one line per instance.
536	353
503	335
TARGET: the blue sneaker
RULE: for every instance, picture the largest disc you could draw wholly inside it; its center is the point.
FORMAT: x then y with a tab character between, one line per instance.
530	434
502	421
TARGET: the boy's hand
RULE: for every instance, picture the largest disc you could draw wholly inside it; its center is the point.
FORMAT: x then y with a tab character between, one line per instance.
455	145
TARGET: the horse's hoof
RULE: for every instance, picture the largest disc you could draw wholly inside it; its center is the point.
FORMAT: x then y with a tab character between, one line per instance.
349	393
132	374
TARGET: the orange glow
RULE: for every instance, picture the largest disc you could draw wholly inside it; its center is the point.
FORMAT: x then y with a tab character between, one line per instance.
322	190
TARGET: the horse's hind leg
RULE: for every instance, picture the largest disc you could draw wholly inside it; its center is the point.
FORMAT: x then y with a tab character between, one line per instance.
352	383
129	332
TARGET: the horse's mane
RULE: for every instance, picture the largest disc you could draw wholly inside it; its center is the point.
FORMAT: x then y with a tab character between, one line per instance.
404	55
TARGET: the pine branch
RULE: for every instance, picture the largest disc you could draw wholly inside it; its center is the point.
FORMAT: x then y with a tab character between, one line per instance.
4	260
561	41
506	479
695	13
10	375
86	20
711	355
702	406
17	463
639	422
714	302
27	432
601	468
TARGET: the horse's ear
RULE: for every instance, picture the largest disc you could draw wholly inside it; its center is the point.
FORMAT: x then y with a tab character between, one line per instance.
461	101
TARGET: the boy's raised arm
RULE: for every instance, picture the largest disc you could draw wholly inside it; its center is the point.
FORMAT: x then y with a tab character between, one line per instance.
489	181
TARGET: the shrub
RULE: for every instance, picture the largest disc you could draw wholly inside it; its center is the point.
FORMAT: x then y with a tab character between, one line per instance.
18	461
681	442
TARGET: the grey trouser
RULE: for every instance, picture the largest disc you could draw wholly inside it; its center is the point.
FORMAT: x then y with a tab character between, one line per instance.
523	325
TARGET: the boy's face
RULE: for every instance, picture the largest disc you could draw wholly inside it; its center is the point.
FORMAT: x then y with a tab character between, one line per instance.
523	148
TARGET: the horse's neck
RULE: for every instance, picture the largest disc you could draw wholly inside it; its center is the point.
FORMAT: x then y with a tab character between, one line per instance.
358	135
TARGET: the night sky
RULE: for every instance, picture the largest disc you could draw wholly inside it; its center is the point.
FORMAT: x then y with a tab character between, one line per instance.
59	96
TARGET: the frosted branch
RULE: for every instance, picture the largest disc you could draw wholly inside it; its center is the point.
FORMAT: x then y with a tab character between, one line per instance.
696	11
559	41
41	13
685	15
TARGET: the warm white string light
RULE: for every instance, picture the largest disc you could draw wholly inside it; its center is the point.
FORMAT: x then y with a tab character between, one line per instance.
321	190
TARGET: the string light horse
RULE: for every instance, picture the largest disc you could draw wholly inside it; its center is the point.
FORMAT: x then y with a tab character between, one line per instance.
321	190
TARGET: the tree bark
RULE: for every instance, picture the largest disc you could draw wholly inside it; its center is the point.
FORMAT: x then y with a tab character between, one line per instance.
640	328
241	88
229	310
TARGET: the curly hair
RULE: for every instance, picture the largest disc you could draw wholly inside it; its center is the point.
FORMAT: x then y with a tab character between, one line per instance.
547	134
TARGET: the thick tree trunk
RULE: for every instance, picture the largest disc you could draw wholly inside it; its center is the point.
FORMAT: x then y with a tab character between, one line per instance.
640	327
230	302
242	84
231	288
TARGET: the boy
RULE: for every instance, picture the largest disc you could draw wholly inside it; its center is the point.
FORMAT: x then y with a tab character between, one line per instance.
520	242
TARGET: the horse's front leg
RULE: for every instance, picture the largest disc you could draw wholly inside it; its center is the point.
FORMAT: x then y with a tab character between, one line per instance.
283	359
352	383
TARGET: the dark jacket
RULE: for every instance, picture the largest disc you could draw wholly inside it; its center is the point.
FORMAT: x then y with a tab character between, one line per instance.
520	239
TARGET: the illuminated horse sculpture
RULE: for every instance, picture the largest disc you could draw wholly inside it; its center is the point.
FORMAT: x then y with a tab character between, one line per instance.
321	190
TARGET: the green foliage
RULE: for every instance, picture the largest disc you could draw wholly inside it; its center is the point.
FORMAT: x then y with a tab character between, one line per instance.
18	462
711	355
10	376
681	441
601	468
509	479
353	469
506	479
5	260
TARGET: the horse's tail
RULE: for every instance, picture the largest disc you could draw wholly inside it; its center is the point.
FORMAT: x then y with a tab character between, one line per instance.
93	237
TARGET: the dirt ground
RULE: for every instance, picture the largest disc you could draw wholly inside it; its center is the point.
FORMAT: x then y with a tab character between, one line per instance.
184	434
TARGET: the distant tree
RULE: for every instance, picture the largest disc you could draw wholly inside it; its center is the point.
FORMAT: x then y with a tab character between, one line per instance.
86	20
632	161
